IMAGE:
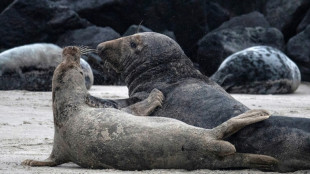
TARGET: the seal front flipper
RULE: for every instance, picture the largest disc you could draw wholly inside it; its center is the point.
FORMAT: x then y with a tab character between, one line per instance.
96	102
147	106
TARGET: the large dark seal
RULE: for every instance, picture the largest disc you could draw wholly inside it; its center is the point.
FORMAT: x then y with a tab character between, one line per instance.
111	138
258	70
152	60
31	67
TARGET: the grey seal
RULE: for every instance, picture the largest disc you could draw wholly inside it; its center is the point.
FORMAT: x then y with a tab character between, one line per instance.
258	70
108	137
31	67
151	60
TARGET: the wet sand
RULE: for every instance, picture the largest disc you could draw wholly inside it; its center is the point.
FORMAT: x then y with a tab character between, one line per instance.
26	126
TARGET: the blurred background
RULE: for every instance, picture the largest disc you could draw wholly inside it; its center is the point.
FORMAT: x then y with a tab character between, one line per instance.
207	30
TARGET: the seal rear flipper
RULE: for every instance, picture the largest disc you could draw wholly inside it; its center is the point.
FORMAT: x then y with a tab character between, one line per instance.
47	162
234	124
244	160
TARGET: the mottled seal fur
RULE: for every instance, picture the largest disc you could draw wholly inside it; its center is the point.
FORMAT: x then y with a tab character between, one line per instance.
31	67
152	60
110	138
258	70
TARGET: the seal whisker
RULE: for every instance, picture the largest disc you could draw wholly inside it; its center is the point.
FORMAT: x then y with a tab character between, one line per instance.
139	26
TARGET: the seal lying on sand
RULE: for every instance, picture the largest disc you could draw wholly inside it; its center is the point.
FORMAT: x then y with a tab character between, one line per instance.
110	138
151	60
258	70
31	67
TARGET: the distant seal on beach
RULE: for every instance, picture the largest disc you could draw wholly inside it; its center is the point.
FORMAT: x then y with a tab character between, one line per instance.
31	67
152	60
108	137
258	70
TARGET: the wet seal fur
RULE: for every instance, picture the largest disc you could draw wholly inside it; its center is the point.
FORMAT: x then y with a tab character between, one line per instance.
31	67
258	70
108	137
151	60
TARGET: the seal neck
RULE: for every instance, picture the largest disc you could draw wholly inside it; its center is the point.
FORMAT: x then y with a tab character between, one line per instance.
69	92
159	73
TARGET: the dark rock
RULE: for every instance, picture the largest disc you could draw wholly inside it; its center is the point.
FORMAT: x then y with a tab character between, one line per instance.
4	4
189	20
90	36
258	70
83	5
298	50
36	21
253	19
133	29
216	46
239	7
286	15
305	21
169	34
118	15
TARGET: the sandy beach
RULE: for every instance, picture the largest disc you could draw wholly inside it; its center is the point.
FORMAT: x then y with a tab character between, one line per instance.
26	126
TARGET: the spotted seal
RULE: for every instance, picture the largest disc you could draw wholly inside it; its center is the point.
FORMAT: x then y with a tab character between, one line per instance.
108	137
258	70
31	67
151	60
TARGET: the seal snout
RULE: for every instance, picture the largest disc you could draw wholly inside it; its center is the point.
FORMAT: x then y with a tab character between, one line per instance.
100	47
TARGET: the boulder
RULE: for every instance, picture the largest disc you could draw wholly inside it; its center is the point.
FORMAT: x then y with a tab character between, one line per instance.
133	29
90	36
286	14
4	4
216	46
239	7
253	19
83	5
32	21
305	21
188	20
298	50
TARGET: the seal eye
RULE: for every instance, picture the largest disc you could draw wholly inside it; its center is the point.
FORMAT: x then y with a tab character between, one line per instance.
133	45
